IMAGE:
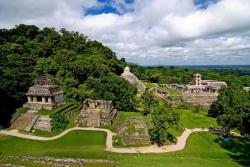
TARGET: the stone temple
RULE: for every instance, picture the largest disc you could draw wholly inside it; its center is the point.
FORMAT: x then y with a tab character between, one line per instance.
44	94
199	91
200	86
96	113
130	77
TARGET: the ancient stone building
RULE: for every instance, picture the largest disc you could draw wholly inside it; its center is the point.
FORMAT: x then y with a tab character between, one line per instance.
96	113
247	89
200	92
44	94
197	79
200	86
130	77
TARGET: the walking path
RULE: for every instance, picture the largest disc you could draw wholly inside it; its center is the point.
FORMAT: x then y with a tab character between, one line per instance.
181	141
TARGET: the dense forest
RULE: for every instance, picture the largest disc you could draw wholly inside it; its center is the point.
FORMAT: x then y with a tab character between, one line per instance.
179	75
82	67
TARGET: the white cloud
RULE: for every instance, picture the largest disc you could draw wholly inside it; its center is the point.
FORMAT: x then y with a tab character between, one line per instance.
156	32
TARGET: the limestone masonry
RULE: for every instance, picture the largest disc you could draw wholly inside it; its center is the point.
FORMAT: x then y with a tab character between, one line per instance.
199	92
130	77
96	113
44	94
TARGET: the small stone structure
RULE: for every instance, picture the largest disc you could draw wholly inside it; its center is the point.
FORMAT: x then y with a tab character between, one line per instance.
247	89
130	77
96	113
43	122
139	135
44	94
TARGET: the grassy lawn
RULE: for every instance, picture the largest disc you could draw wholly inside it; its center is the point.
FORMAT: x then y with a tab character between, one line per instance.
171	92
202	149
149	85
121	117
189	119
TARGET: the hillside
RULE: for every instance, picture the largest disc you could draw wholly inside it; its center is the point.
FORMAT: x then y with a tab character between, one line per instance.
82	67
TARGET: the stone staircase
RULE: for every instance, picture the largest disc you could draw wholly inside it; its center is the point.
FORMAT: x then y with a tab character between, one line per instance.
94	119
24	122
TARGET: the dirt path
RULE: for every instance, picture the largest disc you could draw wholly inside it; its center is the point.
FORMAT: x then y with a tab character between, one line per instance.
181	141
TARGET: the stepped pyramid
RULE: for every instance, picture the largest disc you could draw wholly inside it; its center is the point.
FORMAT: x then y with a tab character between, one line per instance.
130	77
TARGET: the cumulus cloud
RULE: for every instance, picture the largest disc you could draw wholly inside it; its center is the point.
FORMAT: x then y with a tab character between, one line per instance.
148	32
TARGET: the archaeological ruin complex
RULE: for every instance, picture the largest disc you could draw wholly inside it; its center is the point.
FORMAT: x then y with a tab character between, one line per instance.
96	113
130	77
199	86
199	91
44	94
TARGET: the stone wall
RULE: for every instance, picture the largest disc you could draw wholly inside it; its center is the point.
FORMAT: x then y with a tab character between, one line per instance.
39	105
140	135
69	162
96	113
204	100
43	122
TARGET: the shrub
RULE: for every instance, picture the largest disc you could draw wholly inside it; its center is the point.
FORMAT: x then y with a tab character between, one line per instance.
22	110
59	121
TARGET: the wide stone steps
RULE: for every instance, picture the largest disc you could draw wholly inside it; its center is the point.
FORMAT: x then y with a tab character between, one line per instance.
94	119
24	121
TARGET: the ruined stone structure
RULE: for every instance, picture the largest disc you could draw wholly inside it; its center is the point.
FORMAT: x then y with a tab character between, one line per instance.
42	122
199	92
96	113
199	86
197	79
247	89
136	136
44	94
133	79
31	121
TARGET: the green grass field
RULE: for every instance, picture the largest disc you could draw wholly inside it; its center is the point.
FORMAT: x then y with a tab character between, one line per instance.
189	119
149	85
203	149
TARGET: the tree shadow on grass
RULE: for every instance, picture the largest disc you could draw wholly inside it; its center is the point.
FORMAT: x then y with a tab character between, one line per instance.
239	148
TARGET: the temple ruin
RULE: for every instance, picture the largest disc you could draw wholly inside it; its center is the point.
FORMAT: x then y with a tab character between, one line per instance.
131	78
199	86
199	92
44	94
96	113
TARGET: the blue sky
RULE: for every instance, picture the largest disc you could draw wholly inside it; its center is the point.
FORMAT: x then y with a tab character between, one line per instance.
108	6
148	32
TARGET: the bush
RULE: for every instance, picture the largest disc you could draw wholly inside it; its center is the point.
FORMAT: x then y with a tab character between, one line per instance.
59	121
163	119
22	110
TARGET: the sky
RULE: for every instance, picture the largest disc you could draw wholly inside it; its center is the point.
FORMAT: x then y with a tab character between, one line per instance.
148	32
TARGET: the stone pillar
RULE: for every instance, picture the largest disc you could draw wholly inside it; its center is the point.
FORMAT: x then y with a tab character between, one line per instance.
44	99
49	100
29	99
34	99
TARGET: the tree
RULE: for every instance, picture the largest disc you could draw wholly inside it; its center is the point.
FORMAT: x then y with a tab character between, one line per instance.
163	119
232	109
68	57
115	88
149	102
